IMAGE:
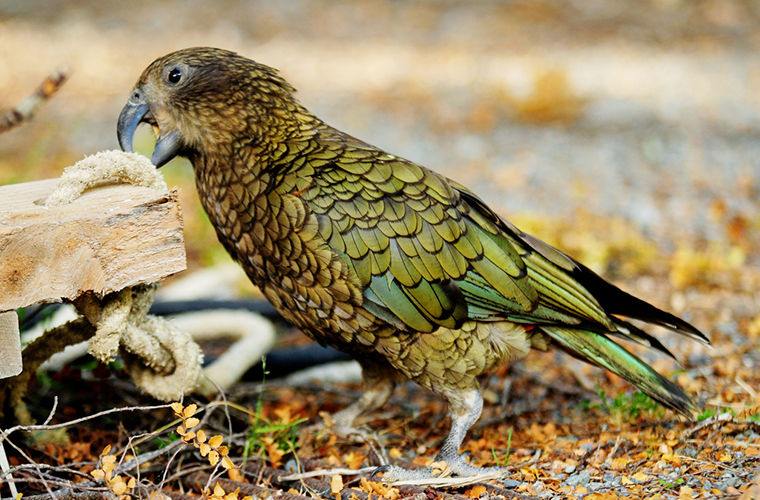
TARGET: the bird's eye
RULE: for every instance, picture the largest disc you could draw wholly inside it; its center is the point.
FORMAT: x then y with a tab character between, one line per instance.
174	76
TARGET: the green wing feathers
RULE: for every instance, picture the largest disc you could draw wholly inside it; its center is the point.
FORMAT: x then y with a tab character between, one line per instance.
429	253
420	257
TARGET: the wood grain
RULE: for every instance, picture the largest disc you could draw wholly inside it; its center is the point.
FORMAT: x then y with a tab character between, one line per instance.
110	238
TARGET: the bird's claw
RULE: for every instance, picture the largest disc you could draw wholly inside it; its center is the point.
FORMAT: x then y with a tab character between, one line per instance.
382	468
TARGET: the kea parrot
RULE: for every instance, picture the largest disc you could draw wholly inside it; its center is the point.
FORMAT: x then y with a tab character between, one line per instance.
409	272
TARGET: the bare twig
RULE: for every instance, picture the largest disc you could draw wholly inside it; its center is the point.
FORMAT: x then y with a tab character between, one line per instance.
29	428
5	468
52	411
28	107
327	472
719	420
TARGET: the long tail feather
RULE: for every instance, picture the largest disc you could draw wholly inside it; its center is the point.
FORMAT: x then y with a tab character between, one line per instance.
601	351
616	301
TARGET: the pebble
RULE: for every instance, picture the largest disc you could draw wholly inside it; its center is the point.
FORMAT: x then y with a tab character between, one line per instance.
582	479
570	469
510	483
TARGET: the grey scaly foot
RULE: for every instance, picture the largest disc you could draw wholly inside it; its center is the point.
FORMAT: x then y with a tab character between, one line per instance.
464	411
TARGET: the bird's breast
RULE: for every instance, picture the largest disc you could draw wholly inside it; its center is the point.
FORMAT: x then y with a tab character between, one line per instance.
275	238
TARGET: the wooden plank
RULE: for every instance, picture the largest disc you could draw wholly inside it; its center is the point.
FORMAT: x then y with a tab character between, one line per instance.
10	345
110	238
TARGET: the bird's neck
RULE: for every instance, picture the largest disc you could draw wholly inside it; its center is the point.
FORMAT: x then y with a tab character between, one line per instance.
239	184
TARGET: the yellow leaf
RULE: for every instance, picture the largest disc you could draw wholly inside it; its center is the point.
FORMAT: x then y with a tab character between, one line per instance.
118	486
204	449
200	436
98	474
685	493
336	484
640	476
106	450
218	490
441	469
177	408
476	491
213	457
181	430
107	467
625	480
190	410
223	451
394	453
672	458
620	463
188	437
191	422
215	441
232	471
131	483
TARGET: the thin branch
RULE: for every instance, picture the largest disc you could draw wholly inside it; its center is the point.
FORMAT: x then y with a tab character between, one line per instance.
45	427
52	411
327	472
29	106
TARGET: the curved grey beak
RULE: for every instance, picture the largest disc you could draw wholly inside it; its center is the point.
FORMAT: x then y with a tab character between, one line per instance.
130	117
132	114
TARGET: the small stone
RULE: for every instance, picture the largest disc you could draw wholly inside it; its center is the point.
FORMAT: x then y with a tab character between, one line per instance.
570	469
609	476
291	466
510	483
580	479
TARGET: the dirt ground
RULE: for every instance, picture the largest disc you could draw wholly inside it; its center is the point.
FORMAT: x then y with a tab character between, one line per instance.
624	133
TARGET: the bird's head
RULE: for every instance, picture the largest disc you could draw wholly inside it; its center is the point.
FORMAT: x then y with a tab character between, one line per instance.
203	100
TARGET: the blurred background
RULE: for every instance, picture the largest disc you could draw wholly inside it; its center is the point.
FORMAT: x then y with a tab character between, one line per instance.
624	132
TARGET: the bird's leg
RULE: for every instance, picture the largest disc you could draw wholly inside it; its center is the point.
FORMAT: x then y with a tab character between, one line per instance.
465	408
464	411
377	387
